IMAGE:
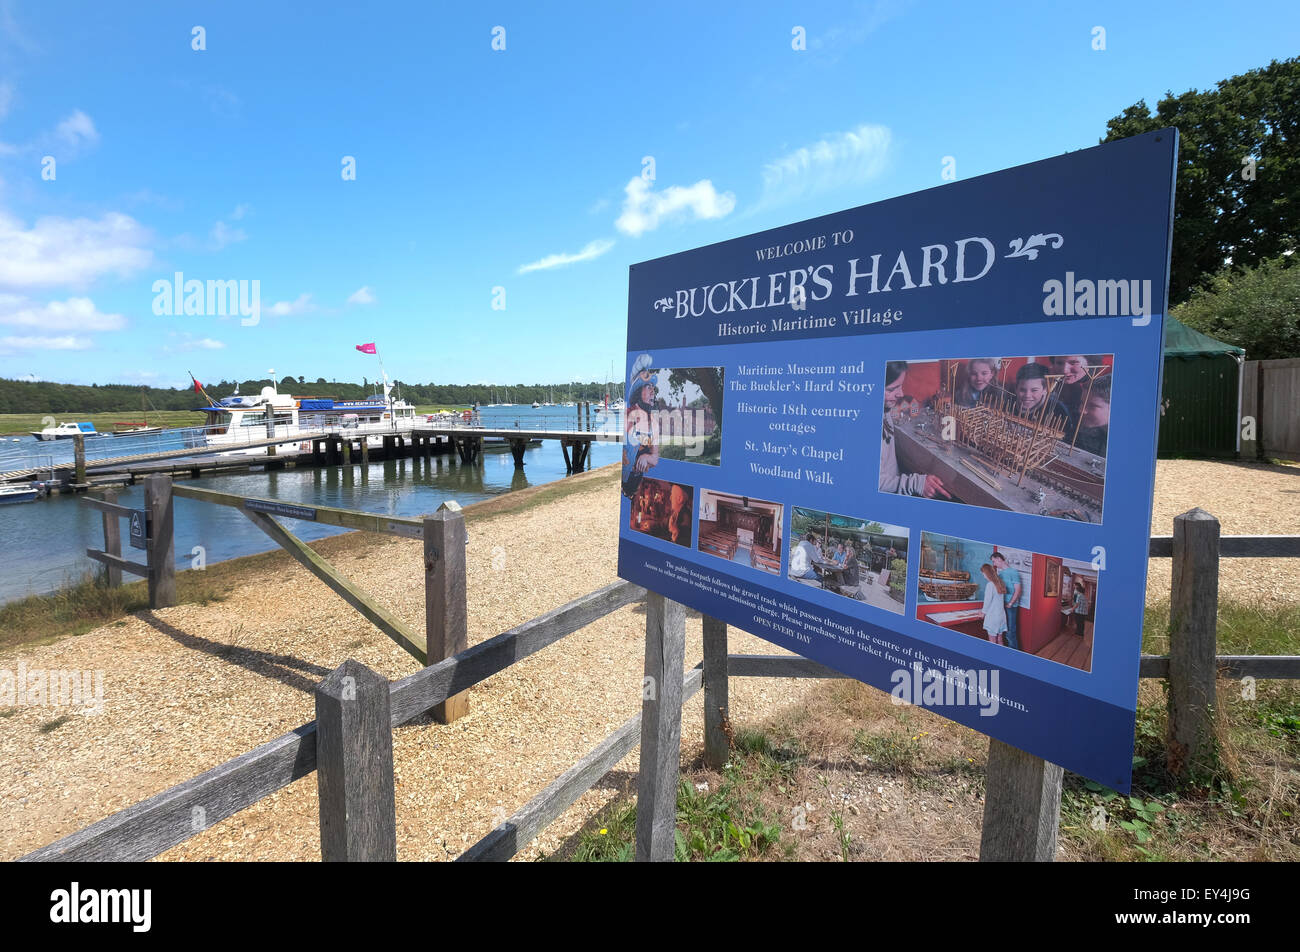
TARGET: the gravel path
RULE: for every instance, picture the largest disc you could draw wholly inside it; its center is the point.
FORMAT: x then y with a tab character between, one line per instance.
187	688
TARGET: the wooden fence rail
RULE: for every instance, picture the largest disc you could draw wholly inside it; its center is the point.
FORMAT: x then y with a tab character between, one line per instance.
350	742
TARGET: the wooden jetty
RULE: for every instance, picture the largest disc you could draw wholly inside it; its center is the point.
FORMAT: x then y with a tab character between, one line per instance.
330	447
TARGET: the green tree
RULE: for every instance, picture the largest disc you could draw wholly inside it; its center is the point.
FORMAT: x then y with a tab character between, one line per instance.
1254	308
1238	192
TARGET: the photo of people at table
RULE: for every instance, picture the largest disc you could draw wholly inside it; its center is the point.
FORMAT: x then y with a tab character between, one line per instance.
856	558
1042	605
1027	434
671	413
741	529
663	510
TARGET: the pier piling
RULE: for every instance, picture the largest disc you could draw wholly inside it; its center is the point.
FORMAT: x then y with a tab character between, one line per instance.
79	451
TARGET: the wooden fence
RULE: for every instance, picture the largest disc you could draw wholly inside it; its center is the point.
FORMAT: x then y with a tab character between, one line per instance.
1270	396
349	745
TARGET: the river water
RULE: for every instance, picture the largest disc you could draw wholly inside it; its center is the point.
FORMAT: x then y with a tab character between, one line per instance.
43	543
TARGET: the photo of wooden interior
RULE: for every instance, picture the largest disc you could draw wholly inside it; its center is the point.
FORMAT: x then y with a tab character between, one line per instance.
741	529
1053	615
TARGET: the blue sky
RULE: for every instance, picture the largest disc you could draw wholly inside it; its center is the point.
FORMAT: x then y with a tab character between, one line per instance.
479	169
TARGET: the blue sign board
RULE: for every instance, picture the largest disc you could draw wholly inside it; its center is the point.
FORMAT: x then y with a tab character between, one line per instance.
139	536
882	439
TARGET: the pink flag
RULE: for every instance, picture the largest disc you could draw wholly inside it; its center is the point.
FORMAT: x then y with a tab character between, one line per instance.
367	348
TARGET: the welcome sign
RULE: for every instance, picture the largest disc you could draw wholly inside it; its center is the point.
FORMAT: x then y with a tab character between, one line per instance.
883	439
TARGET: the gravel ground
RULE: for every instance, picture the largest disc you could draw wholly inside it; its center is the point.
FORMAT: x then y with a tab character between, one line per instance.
190	687
1248	499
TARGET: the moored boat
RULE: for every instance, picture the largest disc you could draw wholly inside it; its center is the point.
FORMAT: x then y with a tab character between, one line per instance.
20	493
66	431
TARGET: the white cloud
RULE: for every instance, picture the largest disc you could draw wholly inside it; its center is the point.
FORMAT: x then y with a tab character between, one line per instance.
302	304
74	314
644	209
837	40
66	342
205	343
239	212
845	158
223	234
77	130
362	295
70	251
593	249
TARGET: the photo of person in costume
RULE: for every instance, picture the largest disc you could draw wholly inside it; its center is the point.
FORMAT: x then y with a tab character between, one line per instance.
671	414
640	429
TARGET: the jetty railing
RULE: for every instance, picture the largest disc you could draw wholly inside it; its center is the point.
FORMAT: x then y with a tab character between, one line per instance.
349	745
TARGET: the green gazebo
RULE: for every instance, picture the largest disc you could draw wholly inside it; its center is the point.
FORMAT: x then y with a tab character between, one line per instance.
1201	397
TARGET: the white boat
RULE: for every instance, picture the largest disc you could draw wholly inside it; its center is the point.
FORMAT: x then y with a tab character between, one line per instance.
66	431
239	420
20	493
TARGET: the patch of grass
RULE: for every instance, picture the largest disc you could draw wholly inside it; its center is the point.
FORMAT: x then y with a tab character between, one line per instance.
898	751
23	423
1242	629
726	824
50	726
8	711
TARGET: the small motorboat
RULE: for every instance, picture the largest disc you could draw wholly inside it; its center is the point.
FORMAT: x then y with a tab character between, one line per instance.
19	493
66	431
133	430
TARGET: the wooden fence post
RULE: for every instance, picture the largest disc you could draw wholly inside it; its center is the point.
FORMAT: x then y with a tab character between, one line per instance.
446	629
161	546
1193	613
1022	807
661	728
354	767
112	538
717	745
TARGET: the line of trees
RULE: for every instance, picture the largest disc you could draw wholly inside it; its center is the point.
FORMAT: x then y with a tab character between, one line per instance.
1237	206
22	396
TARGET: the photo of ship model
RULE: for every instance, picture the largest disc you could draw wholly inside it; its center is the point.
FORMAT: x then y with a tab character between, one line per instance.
1026	434
944	584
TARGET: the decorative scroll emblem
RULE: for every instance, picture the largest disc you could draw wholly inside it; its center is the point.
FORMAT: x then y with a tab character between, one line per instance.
664	304
1028	247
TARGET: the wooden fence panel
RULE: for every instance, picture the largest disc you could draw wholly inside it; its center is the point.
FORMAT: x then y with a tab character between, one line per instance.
1279	411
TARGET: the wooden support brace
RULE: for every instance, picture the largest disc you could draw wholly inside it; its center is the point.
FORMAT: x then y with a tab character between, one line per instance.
350	593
